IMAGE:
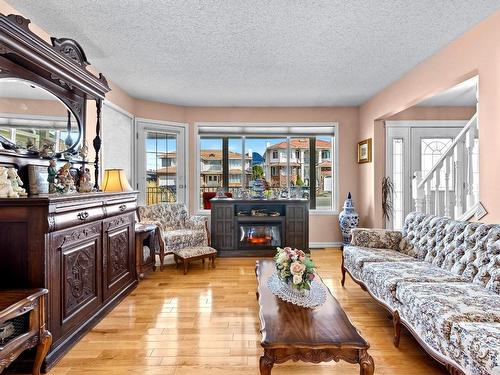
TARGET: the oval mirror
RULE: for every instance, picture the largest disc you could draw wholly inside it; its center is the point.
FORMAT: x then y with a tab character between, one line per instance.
35	122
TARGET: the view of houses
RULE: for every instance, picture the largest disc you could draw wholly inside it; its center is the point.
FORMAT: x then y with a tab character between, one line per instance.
271	165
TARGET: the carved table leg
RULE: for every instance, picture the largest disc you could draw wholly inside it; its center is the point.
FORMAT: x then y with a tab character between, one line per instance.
266	363
396	322
41	351
366	365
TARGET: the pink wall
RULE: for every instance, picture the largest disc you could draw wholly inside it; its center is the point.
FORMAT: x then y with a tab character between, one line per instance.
322	228
475	52
434	113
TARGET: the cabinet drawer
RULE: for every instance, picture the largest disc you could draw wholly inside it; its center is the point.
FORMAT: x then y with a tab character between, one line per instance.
120	208
66	219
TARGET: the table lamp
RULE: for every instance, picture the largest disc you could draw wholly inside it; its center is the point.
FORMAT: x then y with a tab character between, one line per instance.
115	181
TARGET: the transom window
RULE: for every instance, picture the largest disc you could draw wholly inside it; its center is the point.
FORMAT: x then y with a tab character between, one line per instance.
299	163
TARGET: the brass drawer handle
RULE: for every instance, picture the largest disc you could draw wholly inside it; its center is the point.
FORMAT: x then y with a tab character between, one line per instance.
83	215
122	207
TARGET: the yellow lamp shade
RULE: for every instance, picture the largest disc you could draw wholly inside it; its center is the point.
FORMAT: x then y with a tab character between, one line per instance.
115	181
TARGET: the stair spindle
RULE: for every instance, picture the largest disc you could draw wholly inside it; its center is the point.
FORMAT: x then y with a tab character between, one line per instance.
437	196
447	208
428	197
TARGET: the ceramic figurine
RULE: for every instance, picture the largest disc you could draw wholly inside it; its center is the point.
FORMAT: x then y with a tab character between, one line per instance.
6	190
348	219
47	150
16	182
85	183
52	172
83	150
64	182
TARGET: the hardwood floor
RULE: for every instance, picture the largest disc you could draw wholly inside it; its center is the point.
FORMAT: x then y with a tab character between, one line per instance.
207	322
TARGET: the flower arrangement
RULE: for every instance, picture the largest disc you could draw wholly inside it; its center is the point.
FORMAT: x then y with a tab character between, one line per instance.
295	268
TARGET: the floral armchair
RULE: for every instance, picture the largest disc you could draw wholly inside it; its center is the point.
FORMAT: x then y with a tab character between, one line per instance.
178	229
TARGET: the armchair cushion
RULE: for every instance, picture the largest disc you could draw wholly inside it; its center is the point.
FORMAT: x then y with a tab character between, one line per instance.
178	239
376	238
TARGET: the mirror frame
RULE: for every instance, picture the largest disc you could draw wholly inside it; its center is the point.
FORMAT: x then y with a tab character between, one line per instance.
60	68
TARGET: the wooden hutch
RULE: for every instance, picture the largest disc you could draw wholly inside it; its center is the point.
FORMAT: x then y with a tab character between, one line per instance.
81	246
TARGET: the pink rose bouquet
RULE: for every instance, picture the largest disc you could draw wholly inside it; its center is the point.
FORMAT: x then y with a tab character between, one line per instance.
294	267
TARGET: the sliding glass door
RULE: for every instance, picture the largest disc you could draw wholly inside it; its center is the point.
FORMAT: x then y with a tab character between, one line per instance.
161	151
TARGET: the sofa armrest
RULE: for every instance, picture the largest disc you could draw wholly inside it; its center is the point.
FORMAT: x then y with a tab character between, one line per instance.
376	238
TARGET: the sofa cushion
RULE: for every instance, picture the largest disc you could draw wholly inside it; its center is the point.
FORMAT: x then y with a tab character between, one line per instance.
178	239
355	257
383	278
376	238
433	308
476	347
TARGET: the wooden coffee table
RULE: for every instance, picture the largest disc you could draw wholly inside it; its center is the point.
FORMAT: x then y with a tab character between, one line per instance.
290	332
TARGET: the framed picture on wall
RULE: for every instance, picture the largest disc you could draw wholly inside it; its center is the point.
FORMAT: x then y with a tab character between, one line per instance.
365	151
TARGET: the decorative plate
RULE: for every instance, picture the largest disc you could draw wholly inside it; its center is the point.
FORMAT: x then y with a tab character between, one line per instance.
316	296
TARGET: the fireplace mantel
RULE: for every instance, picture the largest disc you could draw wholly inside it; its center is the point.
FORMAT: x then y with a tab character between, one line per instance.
255	227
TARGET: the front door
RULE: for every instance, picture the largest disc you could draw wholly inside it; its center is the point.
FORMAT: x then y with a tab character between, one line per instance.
411	148
161	150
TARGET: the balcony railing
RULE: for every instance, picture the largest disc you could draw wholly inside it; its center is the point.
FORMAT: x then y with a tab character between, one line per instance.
162	194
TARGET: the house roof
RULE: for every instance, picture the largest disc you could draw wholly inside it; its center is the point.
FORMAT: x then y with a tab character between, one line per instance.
300	143
217	155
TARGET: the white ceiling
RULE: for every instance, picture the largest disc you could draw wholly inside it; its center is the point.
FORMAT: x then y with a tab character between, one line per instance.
20	89
463	94
257	52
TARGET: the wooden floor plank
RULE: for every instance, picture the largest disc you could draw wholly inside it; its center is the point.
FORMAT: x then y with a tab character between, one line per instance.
206	322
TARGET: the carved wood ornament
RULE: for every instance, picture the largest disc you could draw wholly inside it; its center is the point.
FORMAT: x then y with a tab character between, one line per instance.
60	68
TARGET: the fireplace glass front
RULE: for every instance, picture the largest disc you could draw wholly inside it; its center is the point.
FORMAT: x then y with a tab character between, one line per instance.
260	235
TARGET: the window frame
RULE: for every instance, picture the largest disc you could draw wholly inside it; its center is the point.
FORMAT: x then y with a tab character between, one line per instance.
334	151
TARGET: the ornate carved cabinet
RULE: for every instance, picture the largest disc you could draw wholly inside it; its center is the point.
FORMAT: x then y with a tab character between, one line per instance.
79	247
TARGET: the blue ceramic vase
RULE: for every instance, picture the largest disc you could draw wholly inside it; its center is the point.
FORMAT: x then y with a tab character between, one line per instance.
348	220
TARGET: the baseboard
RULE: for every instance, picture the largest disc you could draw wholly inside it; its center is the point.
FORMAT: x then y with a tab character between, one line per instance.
318	245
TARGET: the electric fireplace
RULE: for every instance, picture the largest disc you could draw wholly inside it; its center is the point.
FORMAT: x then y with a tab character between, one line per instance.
259	235
256	227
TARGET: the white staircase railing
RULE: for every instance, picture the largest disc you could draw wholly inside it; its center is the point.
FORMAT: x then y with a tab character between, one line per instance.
457	196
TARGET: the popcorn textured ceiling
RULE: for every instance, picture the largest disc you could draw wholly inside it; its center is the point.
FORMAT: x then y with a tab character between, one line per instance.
257	52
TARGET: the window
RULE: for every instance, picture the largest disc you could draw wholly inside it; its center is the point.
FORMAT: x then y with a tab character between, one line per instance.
161	173
431	150
289	162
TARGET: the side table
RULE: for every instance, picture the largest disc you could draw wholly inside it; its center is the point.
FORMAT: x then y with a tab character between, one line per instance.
22	326
145	235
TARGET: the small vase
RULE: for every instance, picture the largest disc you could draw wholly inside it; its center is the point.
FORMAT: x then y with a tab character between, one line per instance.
348	220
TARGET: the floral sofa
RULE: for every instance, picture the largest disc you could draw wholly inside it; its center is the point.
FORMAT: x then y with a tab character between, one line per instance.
178	229
441	279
